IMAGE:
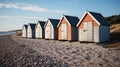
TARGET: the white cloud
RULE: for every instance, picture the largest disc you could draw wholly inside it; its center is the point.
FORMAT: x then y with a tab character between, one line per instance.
29	7
57	11
21	18
9	5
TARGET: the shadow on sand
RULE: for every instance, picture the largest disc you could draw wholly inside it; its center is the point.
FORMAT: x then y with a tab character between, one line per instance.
114	41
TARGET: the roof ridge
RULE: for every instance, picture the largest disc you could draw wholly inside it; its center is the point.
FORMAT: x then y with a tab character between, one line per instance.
41	21
94	12
25	24
70	15
32	23
53	19
101	19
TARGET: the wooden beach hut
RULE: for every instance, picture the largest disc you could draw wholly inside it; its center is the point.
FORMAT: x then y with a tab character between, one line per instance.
67	29
39	29
24	31
51	30
93	27
31	30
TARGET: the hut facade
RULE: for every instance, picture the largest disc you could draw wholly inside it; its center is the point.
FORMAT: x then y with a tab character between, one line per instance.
39	29
67	29
93	27
51	30
31	30
24	31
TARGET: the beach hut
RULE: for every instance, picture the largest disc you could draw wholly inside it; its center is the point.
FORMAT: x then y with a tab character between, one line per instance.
67	29
39	29
31	30
24	31
93	27
51	30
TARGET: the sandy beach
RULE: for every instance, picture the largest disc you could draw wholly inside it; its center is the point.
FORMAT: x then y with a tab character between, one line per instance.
21	52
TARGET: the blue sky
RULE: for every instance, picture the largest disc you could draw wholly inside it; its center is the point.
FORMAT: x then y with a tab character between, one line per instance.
15	13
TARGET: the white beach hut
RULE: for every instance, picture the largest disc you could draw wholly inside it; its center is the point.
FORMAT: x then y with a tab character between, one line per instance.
39	29
93	27
31	30
24	31
51	30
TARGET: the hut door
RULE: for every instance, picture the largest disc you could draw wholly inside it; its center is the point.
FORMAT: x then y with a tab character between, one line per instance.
40	32
48	32
88	31
64	31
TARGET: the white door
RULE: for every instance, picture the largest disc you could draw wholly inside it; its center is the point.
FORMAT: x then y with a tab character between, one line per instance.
48	32
37	33
88	31
64	32
40	32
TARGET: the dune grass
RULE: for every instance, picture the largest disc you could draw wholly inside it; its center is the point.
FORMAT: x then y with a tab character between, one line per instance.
115	32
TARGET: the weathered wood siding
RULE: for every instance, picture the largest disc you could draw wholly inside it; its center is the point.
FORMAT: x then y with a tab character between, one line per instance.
80	35
104	33
49	31
74	33
92	36
24	32
100	33
56	33
38	31
96	34
29	32
68	33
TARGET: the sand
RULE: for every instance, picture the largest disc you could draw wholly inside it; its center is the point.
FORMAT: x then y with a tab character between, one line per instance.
21	52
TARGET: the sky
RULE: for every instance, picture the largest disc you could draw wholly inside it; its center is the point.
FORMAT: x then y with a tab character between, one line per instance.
15	13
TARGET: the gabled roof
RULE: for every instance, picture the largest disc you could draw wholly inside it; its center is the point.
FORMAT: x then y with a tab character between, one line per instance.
32	25
54	22
25	25
97	17
42	23
72	20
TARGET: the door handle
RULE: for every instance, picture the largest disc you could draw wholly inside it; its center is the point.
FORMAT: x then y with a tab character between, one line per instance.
84	30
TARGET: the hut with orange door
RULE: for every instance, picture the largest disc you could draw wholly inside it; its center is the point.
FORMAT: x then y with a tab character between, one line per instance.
67	29
93	27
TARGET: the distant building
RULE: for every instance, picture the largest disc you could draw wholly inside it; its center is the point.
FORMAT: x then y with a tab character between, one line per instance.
93	27
51	30
31	30
67	29
24	31
40	32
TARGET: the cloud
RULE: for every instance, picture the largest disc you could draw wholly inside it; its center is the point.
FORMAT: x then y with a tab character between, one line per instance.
9	5
21	18
29	7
